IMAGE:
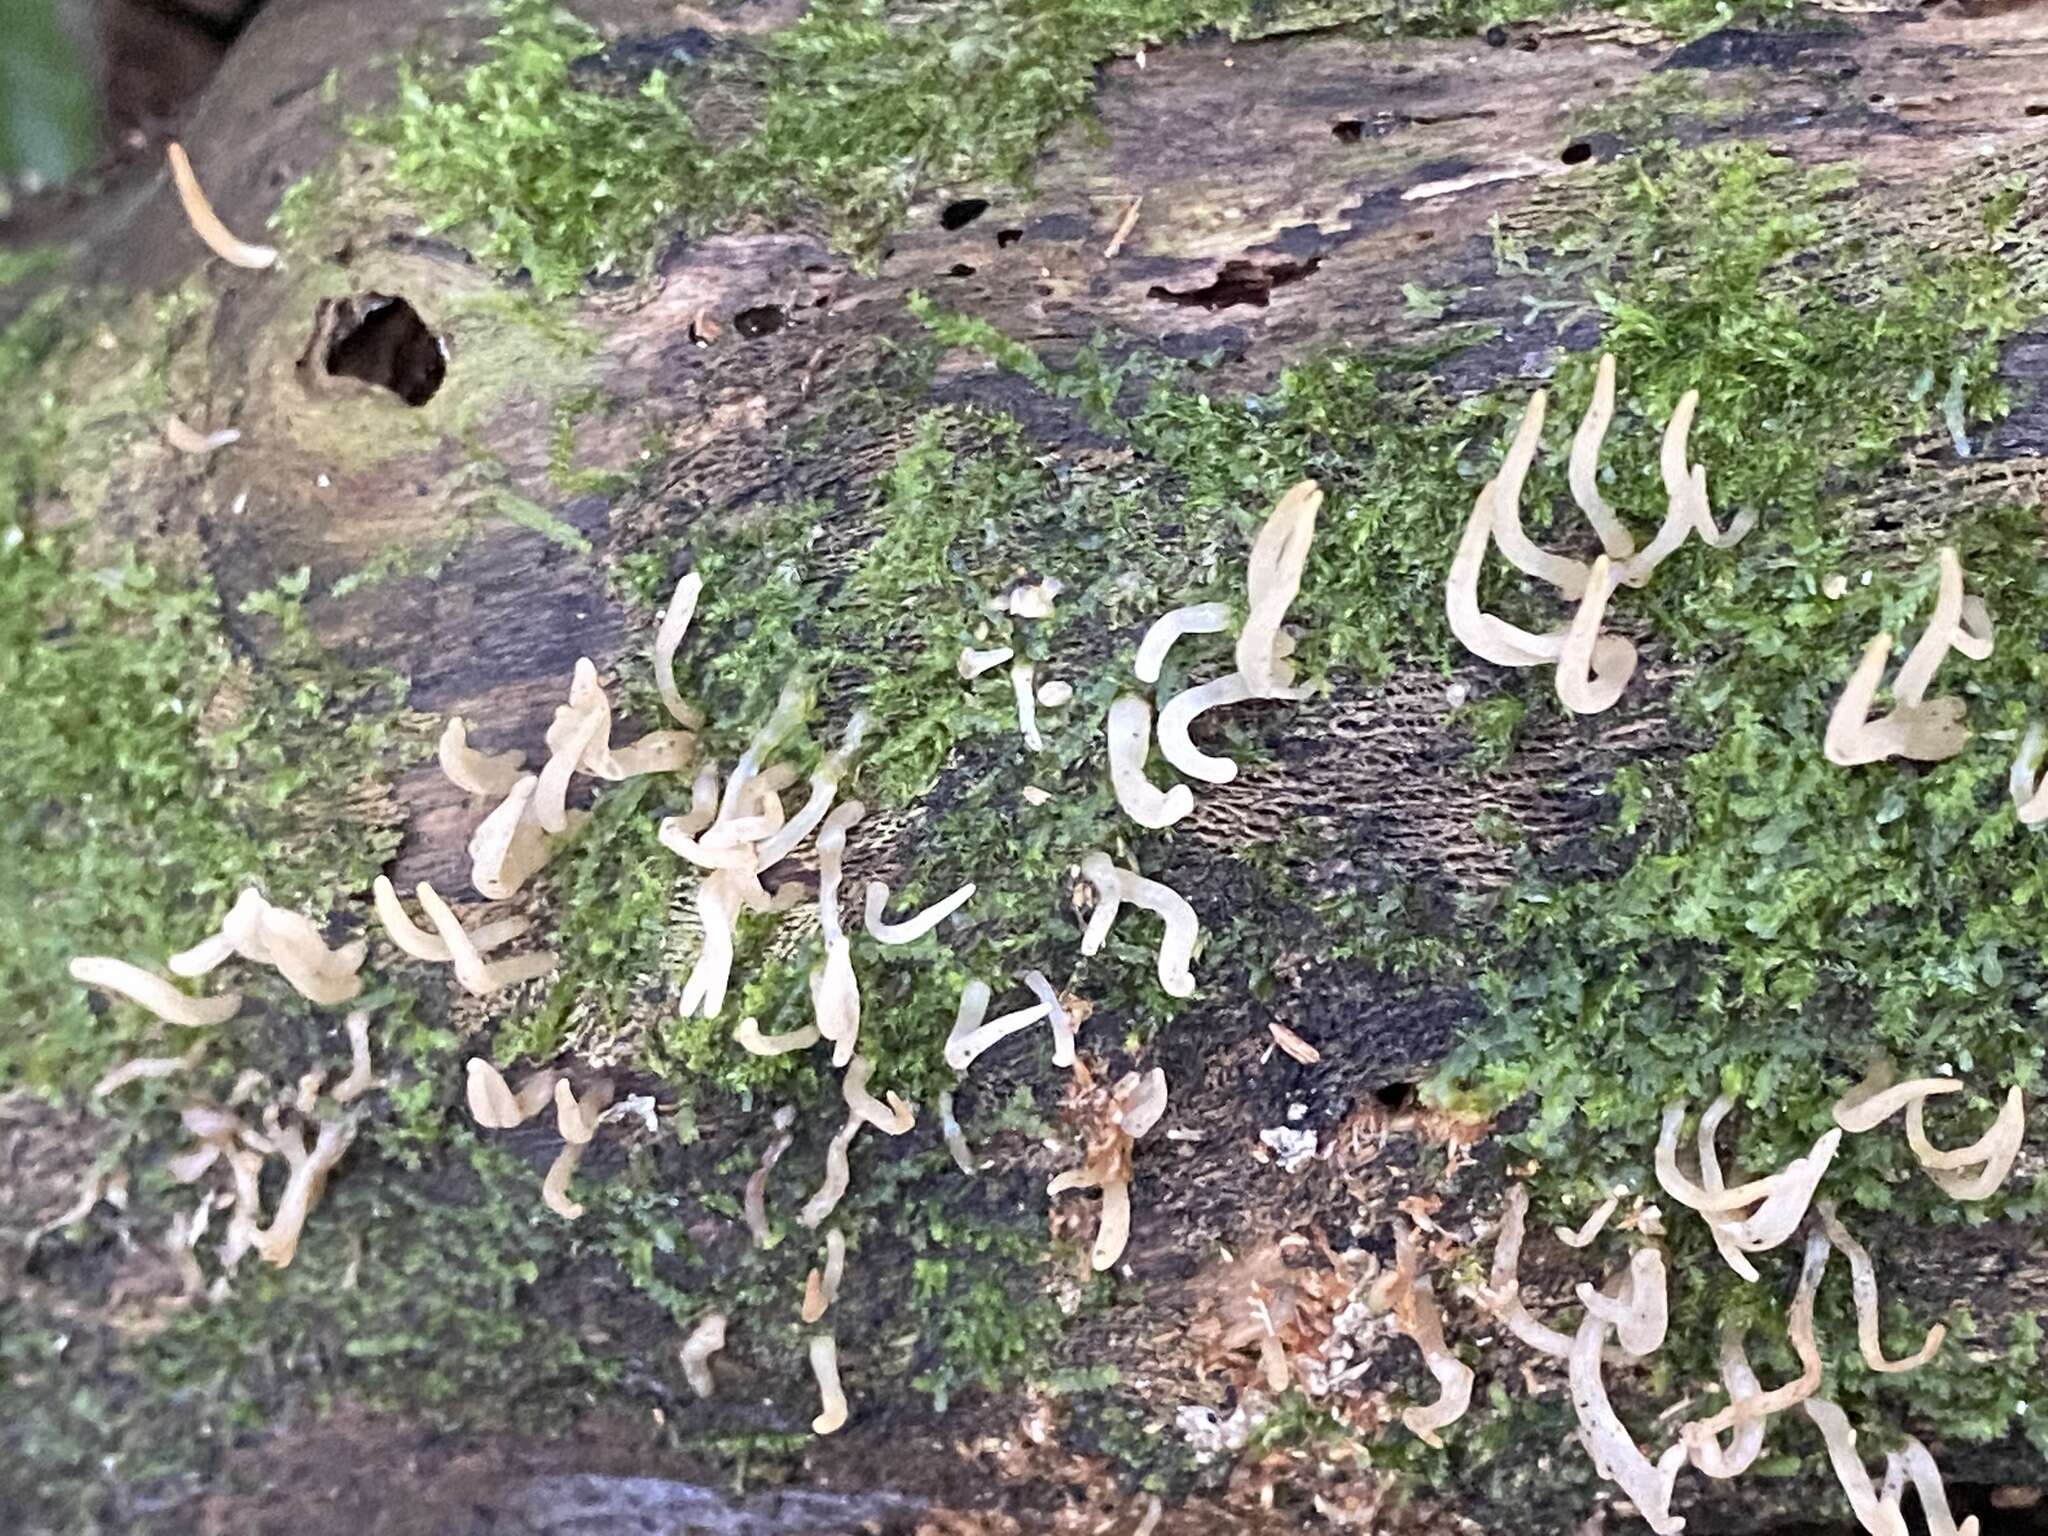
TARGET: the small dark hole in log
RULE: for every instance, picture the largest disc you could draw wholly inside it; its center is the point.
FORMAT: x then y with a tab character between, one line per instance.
960	269
1241	282
2037	109
1496	36
380	339
1348	131
1577	153
761	320
960	214
1009	236
1395	1095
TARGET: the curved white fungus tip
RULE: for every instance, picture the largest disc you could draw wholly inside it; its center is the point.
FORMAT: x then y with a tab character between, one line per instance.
576	1117
1027	706
1191	619
837	1173
1108	885
1863	1285
910	929
1918	728
718	908
1113	1233
1593	1225
1615	1455
973	663
825	1366
1183	927
277	1243
1502	1295
1179	715
1756	1407
190	440
550	806
1991	1155
1858	1110
1273	580
1568	576
1593	669
1130	742
2028	786
891	1119
705	1340
1747	1442
205	222
1878	1516
473	973
1584	473
751	1040
956	1139
554	1189
1688	489
1453	1376
1056	1016
237	931
822	1289
359	1080
1141	1102
399	926
1488	638
146	1069
1035	600
508	847
668	639
1056	694
1784	1207
150	991
1945	631
1641	1315
835	999
292	943
1913	1461
493	1104
480	773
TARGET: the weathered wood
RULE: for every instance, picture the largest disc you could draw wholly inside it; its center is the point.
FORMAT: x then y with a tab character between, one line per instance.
1291	186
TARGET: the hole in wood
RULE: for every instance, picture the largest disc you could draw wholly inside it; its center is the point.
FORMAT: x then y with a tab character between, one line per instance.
1577	153
761	320
1009	236
1395	1095
960	214
1241	282
1348	131
380	339
2037	109
960	269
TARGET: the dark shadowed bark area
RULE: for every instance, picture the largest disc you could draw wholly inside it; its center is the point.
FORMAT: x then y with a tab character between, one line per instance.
1233	209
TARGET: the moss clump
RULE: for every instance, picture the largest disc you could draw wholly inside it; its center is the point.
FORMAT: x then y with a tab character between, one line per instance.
541	165
533	169
150	774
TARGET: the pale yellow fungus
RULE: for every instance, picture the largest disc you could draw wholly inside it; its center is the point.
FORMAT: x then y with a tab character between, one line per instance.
480	773
750	1039
825	1366
910	929
153	993
705	1340
668	639
1114	886
1192	619
189	440
1130	742
205	222
1273	580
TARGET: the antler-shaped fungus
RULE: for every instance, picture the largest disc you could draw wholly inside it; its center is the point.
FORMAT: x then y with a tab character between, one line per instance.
1922	729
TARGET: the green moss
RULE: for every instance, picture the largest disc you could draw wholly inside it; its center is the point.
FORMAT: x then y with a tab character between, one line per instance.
531	168
151	776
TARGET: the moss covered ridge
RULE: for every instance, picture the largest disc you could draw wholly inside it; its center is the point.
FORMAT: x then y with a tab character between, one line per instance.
1742	900
561	157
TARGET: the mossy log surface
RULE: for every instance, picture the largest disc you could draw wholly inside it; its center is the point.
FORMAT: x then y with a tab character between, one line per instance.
1232	210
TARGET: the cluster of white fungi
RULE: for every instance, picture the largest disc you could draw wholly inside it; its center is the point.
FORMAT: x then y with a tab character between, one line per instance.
737	830
1624	1319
